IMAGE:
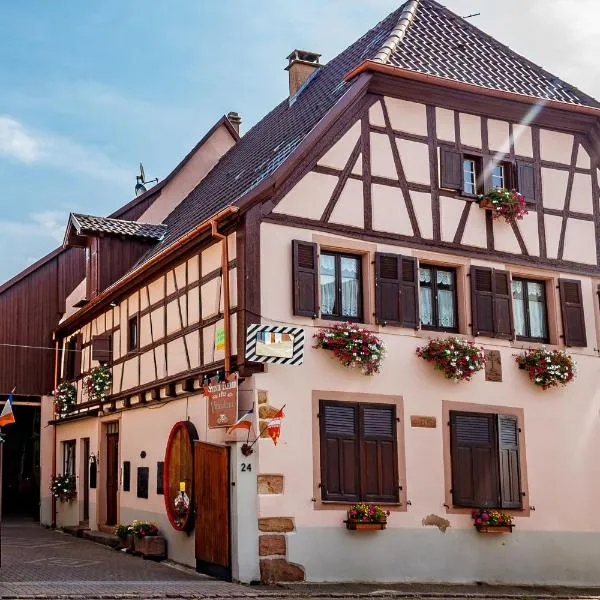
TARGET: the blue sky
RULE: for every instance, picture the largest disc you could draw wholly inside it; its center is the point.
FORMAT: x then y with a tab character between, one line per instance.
88	89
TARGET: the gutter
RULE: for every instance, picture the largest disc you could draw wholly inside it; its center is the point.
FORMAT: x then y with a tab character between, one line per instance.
372	66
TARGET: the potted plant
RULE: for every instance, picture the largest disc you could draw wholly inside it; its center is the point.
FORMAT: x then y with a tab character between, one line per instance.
147	541
547	368
63	487
457	359
508	204
65	398
366	517
352	346
125	535
492	521
97	383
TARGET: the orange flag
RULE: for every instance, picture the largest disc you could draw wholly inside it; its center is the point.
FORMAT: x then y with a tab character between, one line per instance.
7	416
274	426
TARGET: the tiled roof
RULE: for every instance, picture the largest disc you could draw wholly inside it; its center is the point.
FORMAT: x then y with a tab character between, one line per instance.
422	36
438	42
86	224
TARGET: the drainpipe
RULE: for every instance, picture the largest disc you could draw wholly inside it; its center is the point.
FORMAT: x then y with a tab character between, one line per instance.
54	429
225	275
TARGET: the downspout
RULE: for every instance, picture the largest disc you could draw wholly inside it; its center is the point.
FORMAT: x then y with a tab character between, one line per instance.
225	275
54	429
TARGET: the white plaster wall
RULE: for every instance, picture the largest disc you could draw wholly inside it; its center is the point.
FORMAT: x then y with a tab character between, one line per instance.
410	117
556	146
470	130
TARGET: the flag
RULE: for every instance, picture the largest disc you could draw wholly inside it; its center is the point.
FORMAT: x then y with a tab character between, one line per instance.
7	416
244	422
274	426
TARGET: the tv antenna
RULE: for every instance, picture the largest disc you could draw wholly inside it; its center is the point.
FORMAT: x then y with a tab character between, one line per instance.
140	186
472	15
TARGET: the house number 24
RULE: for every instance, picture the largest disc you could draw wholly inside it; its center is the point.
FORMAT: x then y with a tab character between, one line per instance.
246	467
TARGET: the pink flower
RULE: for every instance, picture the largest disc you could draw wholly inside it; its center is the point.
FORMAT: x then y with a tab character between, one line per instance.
478	521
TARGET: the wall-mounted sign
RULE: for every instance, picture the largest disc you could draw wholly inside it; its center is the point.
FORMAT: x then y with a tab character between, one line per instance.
178	475
419	421
275	344
220	338
222	402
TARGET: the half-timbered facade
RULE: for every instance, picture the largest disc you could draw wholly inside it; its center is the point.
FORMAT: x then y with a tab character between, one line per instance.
356	200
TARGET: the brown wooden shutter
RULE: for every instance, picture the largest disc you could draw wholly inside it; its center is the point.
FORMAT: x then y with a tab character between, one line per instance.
482	301
503	317
388	285
410	292
508	460
305	278
451	170
339	451
571	301
378	453
526	180
474	460
77	355
101	348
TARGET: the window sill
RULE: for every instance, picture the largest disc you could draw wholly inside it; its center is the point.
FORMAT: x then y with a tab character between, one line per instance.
333	505
464	510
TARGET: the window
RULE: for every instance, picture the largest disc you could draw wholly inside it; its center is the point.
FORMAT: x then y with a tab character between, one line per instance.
470	175
359	456
69	457
72	361
132	334
485	460
102	348
498	176
529	308
437	297
340	282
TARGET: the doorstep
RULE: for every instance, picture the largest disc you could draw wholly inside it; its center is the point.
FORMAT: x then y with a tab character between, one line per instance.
428	590
76	530
108	539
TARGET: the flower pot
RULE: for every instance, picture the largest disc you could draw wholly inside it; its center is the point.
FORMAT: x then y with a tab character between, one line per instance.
498	529
129	543
486	203
364	526
154	546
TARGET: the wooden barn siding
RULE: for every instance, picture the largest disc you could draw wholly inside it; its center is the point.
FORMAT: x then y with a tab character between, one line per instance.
29	311
116	257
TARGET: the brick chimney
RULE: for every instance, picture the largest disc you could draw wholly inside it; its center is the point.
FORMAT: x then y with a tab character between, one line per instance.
235	120
301	65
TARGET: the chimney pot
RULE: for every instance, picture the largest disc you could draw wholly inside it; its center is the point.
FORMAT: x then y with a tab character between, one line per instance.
235	120
301	65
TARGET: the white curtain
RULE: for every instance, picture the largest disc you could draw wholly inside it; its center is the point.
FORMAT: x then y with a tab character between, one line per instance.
519	308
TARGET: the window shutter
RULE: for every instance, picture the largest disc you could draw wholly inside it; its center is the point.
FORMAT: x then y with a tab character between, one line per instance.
571	301
410	292
482	301
526	180
378	453
77	357
388	285
101	348
508	451
451	171
339	451
474	461
503	318
305	272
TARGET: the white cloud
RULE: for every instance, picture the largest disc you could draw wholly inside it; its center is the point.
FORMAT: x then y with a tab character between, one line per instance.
35	147
49	225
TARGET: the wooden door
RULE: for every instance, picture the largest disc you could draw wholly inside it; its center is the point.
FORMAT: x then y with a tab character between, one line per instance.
112	476
85	463
211	485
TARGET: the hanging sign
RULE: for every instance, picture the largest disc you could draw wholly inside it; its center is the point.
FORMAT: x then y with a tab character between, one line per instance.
220	338
275	344
222	402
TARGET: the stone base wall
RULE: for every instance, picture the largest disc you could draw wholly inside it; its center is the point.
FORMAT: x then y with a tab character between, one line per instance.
272	550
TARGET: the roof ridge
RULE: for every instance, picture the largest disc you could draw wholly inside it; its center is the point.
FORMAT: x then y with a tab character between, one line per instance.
505	47
75	215
397	35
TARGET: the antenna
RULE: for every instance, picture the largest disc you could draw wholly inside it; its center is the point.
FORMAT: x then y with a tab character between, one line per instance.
472	15
140	186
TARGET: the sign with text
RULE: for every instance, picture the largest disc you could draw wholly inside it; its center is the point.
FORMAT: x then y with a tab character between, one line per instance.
420	421
220	338
222	402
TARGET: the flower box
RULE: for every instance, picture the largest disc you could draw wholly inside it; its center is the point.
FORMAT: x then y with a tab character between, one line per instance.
497	529
486	203
365	526
151	546
508	204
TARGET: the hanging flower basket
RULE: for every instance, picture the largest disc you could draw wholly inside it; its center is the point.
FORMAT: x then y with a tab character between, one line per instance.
366	517
97	383
352	346
457	359
63	488
508	204
492	521
547	368
65	398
